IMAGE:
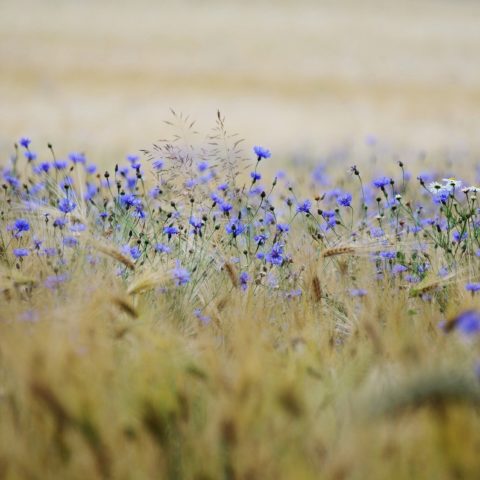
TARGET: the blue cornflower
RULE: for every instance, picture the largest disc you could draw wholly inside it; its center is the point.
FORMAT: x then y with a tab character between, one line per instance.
21	225
388	255
180	275
135	252
255	176
60	164
59	222
190	183
203	318
77	157
154	192
234	227
132	182
70	242
269	218
441	195
30	156
459	237
196	224
376	232
133	159
396	269
283	227
275	255
91	168
66	205
344	200
25	142
170	230
472	287
158	164
44	167
358	292
328	214
162	248
261	238
225	207
258	190
223	187
304	207
202	166
53	281
297	292
128	200
381	182
90	192
261	152
244	279
468	322
78	227
11	180
20	252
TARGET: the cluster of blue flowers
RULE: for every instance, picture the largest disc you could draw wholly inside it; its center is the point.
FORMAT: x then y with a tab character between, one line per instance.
195	219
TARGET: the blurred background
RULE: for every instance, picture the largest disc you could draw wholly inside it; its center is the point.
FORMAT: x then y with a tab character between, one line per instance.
100	76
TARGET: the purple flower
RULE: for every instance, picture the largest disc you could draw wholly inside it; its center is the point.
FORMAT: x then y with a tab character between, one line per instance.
30	156
255	176
20	252
225	207
304	207
70	242
261	152
358	292
66	205
158	164
275	255
244	279
388	255
128	200
170	230
376	232
180	275
44	167
468	322
202	166
77	157
53	281
25	142
261	238
459	236
59	164
399	269
196	224
381	182
59	222
21	225
162	248
135	252
234	227
344	200
283	227
472	287
133	159
203	318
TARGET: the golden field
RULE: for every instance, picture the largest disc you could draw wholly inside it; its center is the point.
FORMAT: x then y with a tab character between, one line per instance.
100	76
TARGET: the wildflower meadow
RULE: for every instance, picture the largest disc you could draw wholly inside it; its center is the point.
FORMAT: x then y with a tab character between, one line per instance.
194	312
